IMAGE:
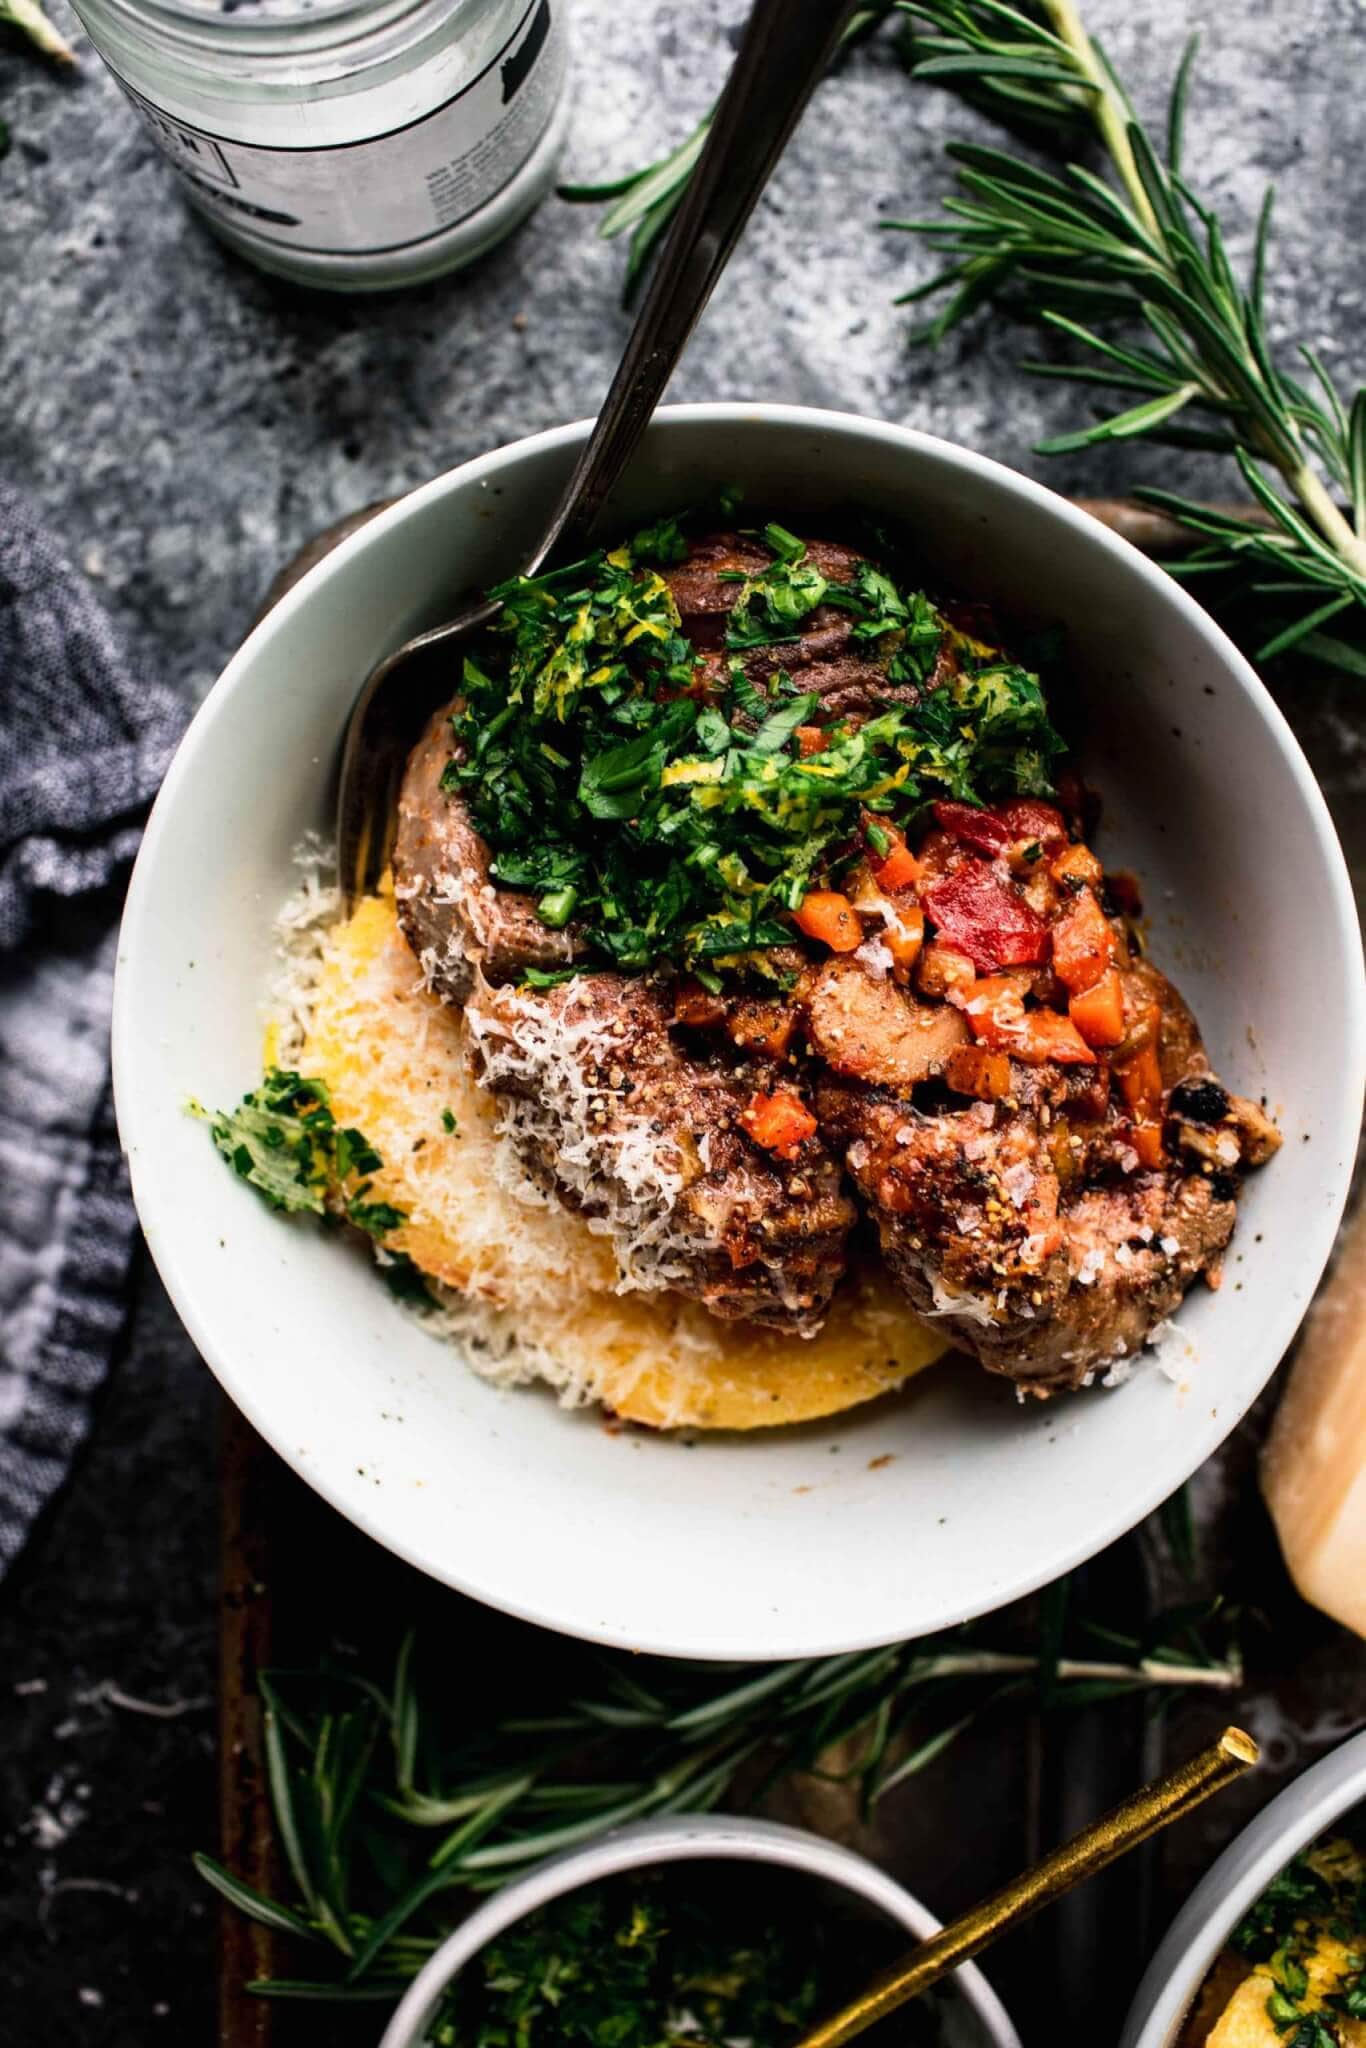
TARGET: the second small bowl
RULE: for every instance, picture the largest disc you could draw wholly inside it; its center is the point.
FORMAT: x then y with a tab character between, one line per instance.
973	2015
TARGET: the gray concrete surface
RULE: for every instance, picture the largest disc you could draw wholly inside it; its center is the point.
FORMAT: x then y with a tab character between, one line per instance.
189	423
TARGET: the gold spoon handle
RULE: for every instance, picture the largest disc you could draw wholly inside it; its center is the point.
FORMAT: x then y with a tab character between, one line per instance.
1151	1808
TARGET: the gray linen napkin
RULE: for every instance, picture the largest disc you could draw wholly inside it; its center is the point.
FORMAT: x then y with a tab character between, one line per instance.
83	746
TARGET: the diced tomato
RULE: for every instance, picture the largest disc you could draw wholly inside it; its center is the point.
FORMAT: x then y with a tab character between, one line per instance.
1083	944
997	1016
1098	1012
780	1123
993	828
973	1070
942	968
982	917
1076	865
827	916
811	739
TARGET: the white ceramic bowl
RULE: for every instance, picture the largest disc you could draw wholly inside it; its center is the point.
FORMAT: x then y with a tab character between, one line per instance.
919	1511
975	2019
1306	1809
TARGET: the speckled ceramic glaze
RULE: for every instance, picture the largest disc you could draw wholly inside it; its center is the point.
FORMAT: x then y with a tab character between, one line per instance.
913	1513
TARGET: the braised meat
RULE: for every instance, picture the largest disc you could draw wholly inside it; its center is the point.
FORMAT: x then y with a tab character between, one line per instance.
823	656
1044	1285
957	1028
453	916
649	1137
1028	1224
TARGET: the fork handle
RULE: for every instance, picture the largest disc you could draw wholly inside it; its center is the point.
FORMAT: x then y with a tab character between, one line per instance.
786	48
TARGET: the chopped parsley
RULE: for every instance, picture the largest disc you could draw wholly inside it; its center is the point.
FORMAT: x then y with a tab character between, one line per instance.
284	1141
694	1955
1318	1898
664	802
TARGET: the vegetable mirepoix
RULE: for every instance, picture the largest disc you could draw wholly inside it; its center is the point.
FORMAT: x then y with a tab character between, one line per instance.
680	805
780	1122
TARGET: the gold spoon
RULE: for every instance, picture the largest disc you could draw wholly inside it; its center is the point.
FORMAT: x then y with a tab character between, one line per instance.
1148	1810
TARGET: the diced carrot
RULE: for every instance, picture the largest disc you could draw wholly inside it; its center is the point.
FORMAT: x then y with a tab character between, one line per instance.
697	1007
995	1010
759	1026
904	936
811	739
1146	1140
1075	865
1083	944
998	1018
898	868
943	967
1051	1037
973	1070
829	917
1140	1081
780	1123
1098	1012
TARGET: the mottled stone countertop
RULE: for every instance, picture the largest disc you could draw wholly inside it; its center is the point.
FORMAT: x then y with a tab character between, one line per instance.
189	423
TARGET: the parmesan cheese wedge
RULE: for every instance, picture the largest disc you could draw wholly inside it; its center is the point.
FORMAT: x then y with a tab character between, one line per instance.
1314	1465
530	1289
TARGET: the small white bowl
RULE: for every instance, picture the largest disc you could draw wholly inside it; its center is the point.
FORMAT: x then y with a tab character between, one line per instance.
1294	1819
981	2020
946	1501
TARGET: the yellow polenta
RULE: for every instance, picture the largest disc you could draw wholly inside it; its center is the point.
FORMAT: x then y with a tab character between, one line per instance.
536	1285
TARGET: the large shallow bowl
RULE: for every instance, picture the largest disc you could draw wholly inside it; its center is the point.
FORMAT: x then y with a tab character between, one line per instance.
916	1512
973	2018
1309	1807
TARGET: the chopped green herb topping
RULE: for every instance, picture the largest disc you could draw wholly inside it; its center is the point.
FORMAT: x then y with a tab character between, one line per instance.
650	1962
665	805
1319	1897
285	1142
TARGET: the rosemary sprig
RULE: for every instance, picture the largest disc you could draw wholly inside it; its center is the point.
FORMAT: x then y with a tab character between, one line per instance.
1128	266
393	1806
1078	251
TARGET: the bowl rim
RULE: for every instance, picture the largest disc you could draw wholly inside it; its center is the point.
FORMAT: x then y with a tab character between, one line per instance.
464	1575
1299	1813
685	1838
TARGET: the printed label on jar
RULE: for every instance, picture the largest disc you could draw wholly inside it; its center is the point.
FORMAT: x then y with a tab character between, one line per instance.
385	192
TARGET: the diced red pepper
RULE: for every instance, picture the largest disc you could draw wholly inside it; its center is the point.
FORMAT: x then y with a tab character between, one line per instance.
980	916
993	828
811	739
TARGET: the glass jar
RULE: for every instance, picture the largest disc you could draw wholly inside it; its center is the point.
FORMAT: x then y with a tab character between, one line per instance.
357	144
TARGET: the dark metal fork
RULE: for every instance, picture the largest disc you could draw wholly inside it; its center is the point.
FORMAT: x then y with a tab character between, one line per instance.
786	47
